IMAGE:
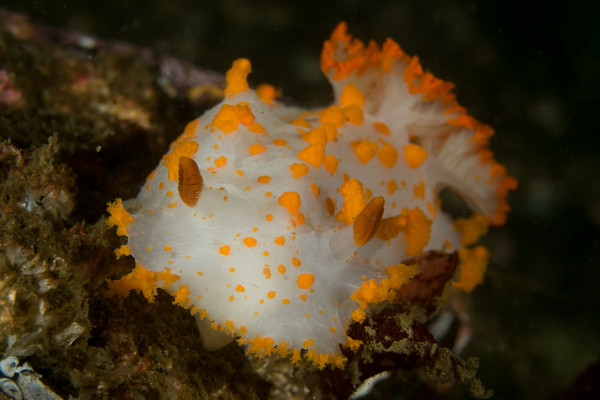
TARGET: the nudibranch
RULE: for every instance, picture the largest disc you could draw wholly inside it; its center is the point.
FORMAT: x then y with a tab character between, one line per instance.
281	226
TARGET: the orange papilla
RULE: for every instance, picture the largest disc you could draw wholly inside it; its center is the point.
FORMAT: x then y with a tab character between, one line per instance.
331	163
425	83
340	43
414	155
305	281
354	114
391	227
365	150
267	93
298	170
291	201
387	155
351	95
119	217
316	136
472	268
313	154
417	232
186	148
236	77
334	115
390	51
354	201
230	116
138	279
256	148
507	183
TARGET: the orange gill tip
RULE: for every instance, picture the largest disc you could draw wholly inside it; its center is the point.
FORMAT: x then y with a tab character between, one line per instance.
367	222
190	181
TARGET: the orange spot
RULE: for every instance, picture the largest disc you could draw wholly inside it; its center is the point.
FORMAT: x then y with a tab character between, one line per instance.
354	114
256	149
333	114
290	201
256	128
279	142
316	136
315	189
264	179
271	294
351	95
249	241
168	248
240	288
414	155
285	301
231	298
312	154
305	281
391	227
225	249
301	122
388	155
365	150
296	262
417	232
281	269
392	186
330	130
279	240
269	217
382	128
419	190
221	162
298	170
267	272
331	164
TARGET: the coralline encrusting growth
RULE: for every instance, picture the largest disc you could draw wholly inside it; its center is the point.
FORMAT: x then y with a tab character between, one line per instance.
283	227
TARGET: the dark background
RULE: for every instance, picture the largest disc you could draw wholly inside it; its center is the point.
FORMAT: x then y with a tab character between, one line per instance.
531	71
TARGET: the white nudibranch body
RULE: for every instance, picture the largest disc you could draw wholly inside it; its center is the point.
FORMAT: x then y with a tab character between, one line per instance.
281	226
